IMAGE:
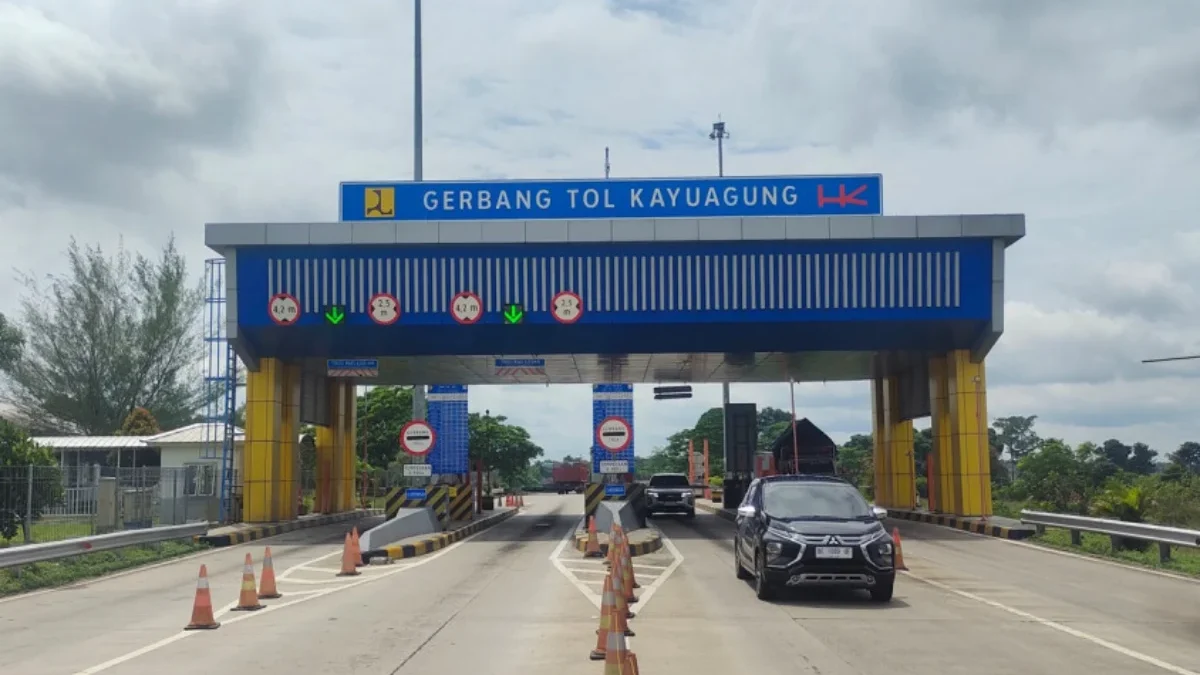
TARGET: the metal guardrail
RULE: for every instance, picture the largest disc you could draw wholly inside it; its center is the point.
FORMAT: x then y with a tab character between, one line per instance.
1164	536
16	556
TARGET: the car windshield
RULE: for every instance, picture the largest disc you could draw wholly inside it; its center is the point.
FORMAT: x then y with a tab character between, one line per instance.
668	481
814	501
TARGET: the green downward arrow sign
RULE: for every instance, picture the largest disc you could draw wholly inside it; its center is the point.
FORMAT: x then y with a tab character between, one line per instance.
513	313
335	315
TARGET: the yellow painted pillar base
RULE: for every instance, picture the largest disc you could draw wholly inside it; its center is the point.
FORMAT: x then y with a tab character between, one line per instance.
895	485
958	390
269	459
335	451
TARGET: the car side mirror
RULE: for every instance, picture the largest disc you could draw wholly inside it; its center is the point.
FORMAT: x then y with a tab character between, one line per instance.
746	511
879	512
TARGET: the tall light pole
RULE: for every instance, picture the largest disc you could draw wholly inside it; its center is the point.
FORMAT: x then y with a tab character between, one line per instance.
418	404
719	134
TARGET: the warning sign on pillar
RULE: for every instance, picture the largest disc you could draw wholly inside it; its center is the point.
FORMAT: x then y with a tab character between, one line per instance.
384	309
284	309
567	307
614	434
466	308
417	438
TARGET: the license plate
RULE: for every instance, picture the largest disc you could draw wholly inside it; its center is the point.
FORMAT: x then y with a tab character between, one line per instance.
835	552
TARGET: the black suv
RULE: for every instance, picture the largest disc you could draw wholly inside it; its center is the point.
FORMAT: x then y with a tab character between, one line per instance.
806	531
670	493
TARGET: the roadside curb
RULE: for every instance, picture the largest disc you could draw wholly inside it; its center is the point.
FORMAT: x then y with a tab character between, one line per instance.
716	511
437	541
974	525
642	548
264	531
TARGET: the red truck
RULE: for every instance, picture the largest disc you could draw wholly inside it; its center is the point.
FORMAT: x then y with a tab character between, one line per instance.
568	478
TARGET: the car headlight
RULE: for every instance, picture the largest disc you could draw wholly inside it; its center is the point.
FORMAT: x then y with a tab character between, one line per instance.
653	495
687	496
774	548
884	547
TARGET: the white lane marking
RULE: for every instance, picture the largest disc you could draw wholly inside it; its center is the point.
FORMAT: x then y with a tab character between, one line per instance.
124	658
1133	654
293	580
144	568
596	563
594	598
321	570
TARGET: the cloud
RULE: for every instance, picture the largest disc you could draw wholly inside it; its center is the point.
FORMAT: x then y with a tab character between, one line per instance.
142	120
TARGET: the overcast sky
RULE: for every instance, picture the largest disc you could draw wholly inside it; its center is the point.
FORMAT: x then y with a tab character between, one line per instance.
143	118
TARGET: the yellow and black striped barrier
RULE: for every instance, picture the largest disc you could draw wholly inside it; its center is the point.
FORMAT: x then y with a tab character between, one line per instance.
652	544
438	499
462	503
976	525
256	532
397	499
438	541
593	494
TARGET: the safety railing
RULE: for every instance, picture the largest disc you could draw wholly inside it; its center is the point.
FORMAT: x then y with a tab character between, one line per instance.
15	556
1164	536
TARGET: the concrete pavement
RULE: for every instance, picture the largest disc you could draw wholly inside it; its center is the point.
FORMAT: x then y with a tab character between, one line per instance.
500	603
971	604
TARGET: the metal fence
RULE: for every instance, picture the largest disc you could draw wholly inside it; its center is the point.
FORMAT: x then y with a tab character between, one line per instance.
1164	536
41	503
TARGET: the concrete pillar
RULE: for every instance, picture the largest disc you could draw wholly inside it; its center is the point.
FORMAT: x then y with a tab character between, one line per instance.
895	480
265	399
970	473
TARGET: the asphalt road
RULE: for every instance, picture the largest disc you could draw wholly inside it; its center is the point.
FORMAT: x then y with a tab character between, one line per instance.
517	600
969	604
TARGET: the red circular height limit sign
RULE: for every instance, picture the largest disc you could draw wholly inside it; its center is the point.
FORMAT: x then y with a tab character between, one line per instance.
417	438
567	307
466	308
384	309
283	309
613	434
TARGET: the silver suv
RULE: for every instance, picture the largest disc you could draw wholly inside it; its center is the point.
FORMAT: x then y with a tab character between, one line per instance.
670	493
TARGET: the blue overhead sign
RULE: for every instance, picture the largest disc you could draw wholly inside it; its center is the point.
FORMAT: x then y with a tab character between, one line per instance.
848	195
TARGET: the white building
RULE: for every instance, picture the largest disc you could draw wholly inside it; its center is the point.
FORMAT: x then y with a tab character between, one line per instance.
190	483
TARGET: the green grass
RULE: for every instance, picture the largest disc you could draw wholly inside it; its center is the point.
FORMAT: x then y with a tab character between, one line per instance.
78	568
52	530
1183	560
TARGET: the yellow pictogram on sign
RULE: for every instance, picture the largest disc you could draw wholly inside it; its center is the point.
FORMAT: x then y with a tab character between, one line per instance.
379	202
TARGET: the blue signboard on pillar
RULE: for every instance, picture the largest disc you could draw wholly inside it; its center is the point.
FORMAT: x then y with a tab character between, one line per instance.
447	412
612	428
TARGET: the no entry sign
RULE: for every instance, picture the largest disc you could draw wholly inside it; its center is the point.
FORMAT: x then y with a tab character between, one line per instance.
614	434
417	438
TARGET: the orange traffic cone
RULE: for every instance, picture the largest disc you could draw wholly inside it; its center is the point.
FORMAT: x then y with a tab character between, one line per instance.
267	590
592	550
629	576
621	614
899	553
248	598
202	609
616	656
631	667
622	563
349	566
358	561
607	607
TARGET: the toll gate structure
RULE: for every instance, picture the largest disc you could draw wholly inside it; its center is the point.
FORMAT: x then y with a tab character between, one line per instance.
735	279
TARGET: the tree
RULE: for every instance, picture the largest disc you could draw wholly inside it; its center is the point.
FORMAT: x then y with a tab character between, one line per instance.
139	422
505	448
1016	434
382	413
856	460
12	342
1054	475
109	334
18	456
1187	457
